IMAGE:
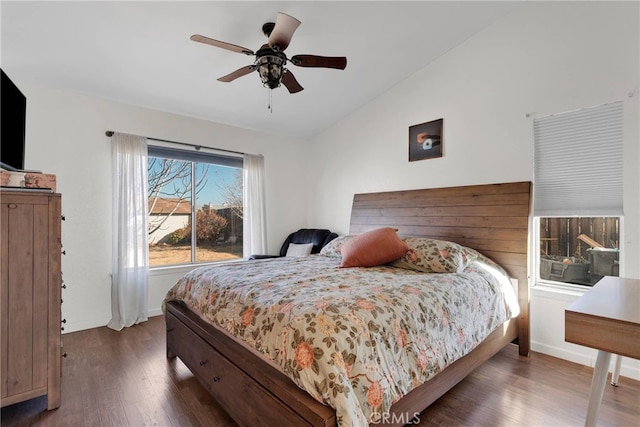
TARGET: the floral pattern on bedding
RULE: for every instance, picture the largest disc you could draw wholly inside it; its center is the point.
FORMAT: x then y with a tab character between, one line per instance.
357	339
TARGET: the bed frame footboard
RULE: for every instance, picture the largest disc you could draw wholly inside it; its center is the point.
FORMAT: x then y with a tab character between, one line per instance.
255	393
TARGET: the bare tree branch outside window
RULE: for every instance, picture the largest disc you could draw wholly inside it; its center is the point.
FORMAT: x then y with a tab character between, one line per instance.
170	179
232	193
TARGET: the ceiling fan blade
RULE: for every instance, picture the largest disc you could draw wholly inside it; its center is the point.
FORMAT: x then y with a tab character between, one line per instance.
237	73
339	62
290	82
281	35
223	45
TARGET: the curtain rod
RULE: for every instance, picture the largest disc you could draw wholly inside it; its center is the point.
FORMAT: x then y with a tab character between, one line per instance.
110	133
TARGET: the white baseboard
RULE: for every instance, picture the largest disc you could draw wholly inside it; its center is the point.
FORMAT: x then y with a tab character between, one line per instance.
98	323
155	312
630	367
81	326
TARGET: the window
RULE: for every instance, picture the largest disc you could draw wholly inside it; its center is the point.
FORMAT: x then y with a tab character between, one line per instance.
578	194
194	194
579	250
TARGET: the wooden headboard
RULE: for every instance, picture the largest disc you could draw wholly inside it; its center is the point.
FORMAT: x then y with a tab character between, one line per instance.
493	219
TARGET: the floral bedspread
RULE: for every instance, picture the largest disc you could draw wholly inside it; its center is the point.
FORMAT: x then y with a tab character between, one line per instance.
357	339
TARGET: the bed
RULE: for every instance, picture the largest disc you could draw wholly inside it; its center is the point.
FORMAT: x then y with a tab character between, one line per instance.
258	384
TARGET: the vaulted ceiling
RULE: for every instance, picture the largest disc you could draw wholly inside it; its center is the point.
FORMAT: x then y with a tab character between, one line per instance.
140	53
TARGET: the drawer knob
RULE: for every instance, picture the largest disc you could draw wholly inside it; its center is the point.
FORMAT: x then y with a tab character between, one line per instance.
202	362
216	379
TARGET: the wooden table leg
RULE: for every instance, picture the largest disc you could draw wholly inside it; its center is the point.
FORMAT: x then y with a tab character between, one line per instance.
598	382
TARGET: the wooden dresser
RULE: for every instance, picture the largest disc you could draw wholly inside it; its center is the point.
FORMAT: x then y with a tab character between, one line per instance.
30	353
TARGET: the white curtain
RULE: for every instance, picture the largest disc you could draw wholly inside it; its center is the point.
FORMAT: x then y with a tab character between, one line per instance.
130	261
254	222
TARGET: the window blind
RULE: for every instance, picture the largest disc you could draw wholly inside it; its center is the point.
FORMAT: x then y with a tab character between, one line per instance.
578	162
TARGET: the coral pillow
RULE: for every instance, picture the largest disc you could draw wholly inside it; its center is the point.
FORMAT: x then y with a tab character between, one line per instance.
373	248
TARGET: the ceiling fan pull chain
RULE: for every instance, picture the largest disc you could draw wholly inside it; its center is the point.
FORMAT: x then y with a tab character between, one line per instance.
270	103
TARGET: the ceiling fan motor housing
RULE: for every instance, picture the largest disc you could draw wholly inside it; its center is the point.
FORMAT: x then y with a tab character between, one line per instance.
270	65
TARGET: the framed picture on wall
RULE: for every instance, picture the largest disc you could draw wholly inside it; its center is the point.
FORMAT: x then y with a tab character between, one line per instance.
425	140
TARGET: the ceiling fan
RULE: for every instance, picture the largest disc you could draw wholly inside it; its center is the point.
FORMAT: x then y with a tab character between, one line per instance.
271	60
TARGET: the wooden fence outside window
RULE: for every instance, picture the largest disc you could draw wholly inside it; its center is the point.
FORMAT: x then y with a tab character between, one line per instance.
559	236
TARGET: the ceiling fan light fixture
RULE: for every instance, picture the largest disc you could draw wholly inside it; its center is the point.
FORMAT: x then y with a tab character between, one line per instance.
271	68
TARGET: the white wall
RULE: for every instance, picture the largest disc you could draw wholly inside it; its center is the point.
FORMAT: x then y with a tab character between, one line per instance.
66	136
545	58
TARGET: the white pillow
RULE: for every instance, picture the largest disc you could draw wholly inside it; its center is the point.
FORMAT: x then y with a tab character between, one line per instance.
298	250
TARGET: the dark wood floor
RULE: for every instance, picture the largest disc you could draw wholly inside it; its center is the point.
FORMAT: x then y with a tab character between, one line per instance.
124	379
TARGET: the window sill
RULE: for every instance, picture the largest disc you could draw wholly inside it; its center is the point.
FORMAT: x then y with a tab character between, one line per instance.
542	287
161	270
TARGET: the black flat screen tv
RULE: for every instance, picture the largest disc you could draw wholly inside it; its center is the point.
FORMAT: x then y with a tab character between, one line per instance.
13	110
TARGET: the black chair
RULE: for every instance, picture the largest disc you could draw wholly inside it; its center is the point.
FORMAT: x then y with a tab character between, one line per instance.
318	236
